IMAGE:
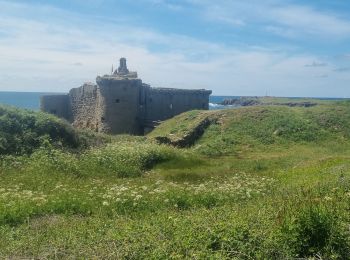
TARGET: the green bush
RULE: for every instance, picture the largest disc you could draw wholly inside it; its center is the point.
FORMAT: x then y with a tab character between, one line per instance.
23	131
316	230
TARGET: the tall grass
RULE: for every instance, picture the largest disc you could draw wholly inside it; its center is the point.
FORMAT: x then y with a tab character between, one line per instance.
124	159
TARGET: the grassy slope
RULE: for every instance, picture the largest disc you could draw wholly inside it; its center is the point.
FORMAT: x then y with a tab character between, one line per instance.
283	100
259	126
262	182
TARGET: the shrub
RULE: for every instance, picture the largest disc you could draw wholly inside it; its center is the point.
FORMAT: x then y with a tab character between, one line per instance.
316	230
23	131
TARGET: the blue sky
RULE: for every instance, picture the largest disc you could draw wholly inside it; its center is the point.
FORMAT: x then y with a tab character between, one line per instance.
278	47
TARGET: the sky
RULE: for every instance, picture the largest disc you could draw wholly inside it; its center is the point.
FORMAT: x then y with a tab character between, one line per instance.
233	47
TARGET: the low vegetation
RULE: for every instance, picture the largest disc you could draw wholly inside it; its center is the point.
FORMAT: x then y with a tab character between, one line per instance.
264	182
24	131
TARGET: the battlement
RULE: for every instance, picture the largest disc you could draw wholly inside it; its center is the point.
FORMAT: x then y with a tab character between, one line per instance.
105	78
121	103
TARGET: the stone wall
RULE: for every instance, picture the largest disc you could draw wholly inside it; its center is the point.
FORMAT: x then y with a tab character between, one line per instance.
121	105
127	106
85	106
164	103
58	105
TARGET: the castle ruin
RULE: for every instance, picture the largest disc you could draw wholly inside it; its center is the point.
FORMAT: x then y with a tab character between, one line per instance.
120	103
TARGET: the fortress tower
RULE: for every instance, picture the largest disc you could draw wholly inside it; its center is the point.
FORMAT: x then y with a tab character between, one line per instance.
121	103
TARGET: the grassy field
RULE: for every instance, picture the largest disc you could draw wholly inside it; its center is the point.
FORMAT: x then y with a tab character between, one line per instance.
265	182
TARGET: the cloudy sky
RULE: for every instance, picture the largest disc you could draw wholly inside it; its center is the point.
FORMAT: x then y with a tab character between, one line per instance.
234	47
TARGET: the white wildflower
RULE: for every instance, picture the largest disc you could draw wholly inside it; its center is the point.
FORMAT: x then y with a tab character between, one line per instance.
138	197
327	198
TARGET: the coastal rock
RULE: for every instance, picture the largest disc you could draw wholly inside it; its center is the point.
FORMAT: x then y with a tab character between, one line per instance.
242	101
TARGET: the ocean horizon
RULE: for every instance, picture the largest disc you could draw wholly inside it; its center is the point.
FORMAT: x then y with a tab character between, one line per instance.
31	100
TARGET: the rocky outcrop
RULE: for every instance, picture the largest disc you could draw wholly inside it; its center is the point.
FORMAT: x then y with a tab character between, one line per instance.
254	101
242	101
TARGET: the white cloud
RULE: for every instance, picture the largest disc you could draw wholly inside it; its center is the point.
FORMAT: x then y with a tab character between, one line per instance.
276	17
58	53
316	64
167	4
309	21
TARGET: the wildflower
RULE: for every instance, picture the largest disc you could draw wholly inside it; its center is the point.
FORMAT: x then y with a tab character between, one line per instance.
138	197
248	194
124	189
327	198
105	203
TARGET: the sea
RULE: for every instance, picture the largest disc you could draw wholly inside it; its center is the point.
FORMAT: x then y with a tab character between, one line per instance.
31	100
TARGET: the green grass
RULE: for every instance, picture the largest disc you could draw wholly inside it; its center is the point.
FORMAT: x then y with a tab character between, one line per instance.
260	183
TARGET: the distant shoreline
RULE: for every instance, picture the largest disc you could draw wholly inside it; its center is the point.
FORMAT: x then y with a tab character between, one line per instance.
30	100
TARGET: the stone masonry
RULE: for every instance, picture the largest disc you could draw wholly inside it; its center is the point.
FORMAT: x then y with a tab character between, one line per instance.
120	103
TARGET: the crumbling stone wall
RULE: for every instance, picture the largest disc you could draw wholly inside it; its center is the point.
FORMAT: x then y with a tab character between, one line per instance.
85	106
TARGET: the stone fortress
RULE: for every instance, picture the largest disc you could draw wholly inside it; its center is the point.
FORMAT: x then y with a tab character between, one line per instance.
120	103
